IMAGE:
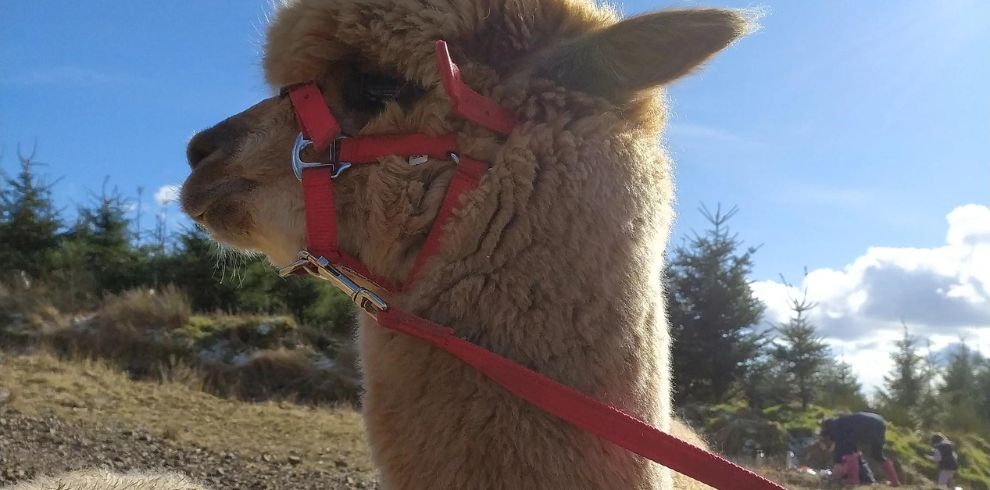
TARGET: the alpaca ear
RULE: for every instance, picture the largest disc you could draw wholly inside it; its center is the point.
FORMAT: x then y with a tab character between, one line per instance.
643	51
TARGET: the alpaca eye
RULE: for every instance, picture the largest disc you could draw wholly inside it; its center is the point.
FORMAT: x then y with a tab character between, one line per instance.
369	92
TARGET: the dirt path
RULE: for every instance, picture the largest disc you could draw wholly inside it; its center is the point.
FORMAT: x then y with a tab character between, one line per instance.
31	446
57	416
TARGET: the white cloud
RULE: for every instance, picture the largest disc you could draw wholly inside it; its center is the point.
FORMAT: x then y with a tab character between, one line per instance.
166	194
942	293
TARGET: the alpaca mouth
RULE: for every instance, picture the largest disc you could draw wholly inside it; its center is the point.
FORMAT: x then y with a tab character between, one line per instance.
226	217
198	200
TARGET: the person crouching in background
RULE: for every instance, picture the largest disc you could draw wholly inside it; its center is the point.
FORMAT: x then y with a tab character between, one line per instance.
850	432
945	457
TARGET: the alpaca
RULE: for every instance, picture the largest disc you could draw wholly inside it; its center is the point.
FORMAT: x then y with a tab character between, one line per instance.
553	261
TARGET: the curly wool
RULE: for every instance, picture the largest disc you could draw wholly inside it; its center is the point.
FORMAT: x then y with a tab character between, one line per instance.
108	480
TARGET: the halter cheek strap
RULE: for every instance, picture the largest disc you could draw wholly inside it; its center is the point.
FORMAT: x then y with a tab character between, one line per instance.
319	129
313	115
324	259
467	103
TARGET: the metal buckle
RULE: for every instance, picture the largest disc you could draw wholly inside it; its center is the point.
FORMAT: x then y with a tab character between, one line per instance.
298	164
321	268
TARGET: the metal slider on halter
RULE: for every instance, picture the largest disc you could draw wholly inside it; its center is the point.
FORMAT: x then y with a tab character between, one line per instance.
298	164
323	269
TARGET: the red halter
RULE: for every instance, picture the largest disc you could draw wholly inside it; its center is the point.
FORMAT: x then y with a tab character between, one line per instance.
325	260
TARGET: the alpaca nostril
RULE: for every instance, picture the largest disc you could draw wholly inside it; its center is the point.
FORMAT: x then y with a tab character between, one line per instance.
201	146
219	139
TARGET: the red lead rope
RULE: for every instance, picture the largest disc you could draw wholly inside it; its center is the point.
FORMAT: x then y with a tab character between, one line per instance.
319	126
581	410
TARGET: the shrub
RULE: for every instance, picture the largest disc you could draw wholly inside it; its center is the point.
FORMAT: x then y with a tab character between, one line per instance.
974	454
26	314
286	374
226	337
332	311
146	309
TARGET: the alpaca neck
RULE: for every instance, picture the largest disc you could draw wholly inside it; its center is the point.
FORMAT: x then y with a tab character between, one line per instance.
555	266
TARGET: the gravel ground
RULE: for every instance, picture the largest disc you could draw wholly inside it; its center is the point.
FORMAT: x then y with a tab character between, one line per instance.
32	446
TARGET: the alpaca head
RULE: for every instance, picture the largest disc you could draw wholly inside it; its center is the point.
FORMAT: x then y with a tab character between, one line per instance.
374	62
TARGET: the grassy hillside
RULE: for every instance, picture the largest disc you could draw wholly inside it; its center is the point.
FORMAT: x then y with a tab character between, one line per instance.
738	430
204	363
154	335
326	440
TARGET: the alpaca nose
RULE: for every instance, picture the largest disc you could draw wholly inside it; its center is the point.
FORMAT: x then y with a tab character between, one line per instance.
214	143
201	146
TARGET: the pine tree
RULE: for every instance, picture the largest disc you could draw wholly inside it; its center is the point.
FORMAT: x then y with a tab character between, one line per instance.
29	222
905	383
801	350
298	294
960	375
712	312
256	284
839	387
959	391
73	272
103	235
194	267
767	382
982	392
931	406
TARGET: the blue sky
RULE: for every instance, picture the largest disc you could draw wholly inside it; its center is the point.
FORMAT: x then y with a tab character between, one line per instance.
840	126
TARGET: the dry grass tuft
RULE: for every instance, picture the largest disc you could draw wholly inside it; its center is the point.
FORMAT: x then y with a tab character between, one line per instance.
284	374
26	312
145	309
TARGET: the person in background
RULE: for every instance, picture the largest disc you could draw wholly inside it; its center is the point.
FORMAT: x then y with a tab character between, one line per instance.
945	456
865	473
850	432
